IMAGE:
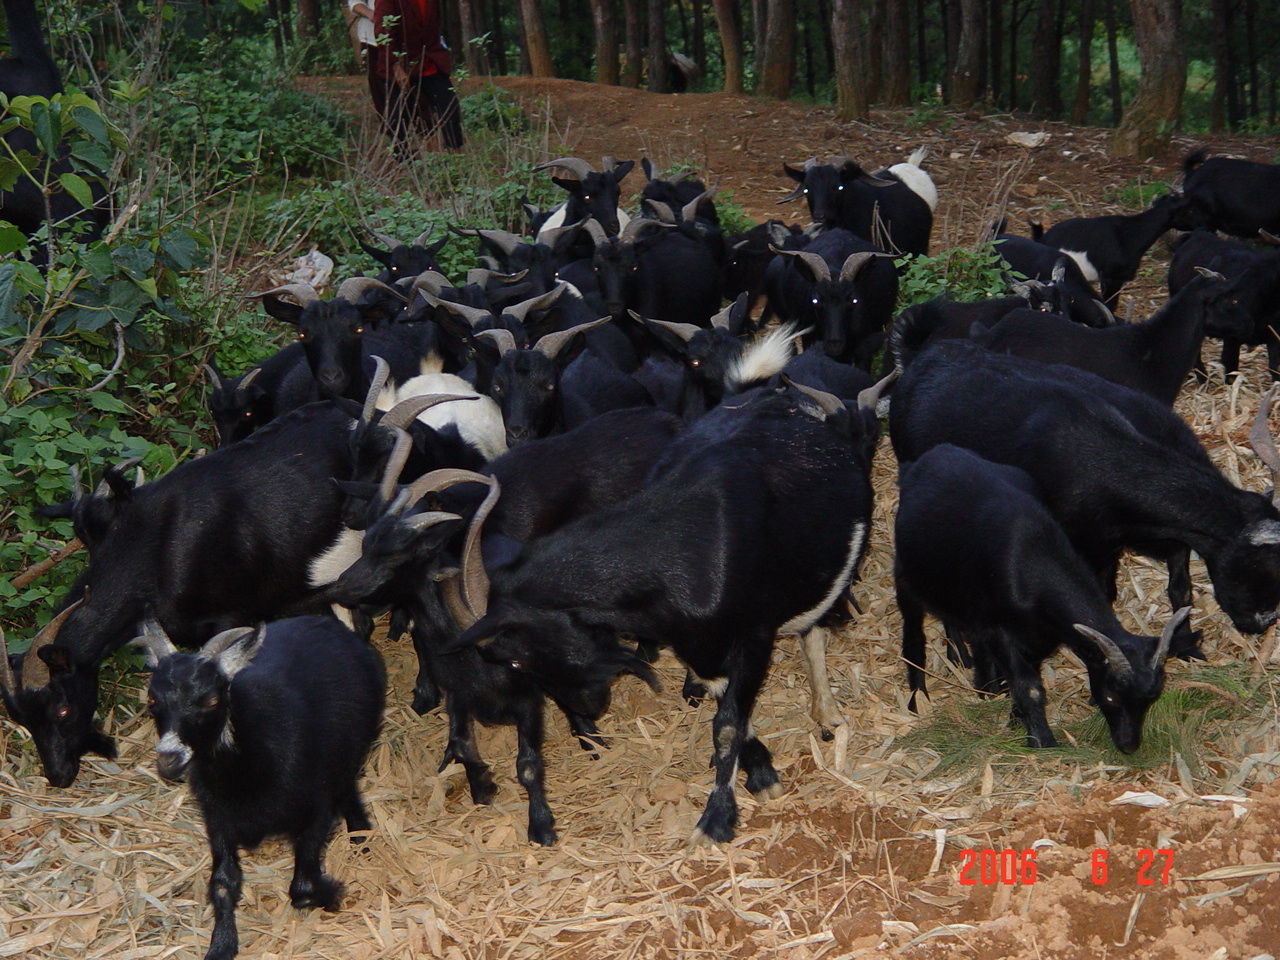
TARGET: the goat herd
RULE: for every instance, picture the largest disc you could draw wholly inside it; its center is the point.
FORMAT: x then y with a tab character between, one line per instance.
576	456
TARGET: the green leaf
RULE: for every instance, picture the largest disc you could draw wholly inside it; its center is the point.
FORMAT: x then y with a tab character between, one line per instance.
91	122
106	402
11	241
135	260
75	185
181	248
45	126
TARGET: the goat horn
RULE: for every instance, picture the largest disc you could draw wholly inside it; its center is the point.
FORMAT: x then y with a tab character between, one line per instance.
869	398
353	287
472	315
381	373
631	232
690	210
684	331
828	403
437	480
579	167
386	240
854	263
221	641
103	489
504	241
1106	312
549	236
77	484
424	521
1268	237
1166	636
817	266
154	642
475	581
7	681
522	309
551	345
406	411
480	276
247	380
395	463
422	238
1210	274
430	281
502	338
662	211
304	293
35	672
592	226
1264	445
721	320
212	373
1117	662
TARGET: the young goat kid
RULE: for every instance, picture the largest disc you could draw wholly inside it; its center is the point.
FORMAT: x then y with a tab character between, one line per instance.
271	726
975	546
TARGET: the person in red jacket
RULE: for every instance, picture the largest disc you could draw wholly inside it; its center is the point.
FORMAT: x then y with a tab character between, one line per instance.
413	63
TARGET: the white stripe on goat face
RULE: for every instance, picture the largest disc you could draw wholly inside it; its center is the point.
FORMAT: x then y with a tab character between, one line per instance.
171	745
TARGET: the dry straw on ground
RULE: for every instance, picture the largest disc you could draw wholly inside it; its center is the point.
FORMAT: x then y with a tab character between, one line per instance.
858	858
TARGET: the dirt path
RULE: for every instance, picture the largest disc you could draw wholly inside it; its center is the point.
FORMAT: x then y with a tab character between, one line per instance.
864	856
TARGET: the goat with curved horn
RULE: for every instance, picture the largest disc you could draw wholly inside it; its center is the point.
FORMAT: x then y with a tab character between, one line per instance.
381	372
576	165
423	237
395	464
799	188
595	231
685	331
406	411
1161	653
828	403
855	262
1117	662
661	210
35	672
551	344
522	309
631	232
869	398
1264	445
385	239
304	293
550	235
351	288
481	276
690	210
472	315
502	338
817	266
429	281
504	241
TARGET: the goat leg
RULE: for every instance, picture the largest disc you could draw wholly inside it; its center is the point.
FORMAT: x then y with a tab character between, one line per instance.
462	748
224	893
825	710
913	645
1185	643
1026	689
529	768
757	762
311	887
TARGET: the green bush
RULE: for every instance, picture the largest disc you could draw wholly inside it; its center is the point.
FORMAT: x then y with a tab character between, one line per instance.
958	274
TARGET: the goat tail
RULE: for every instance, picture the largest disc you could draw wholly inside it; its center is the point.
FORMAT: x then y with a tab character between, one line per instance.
918	155
1194	159
1037	231
912	331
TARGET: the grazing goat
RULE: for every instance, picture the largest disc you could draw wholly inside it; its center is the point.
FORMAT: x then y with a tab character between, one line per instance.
1109	249
1251	306
752	525
1238	197
271	727
974	545
1117	469
892	207
841	289
92	515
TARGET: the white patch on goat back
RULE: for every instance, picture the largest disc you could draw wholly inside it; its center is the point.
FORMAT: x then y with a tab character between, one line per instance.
763	357
555	220
479	422
1082	261
342	553
431	363
172	745
918	155
804	621
919	182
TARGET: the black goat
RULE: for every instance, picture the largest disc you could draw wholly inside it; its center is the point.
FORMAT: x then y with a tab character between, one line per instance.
677	194
974	545
1251	306
1116	468
1239	197
403	260
92	515
271	727
270	389
747	256
893	207
1109	249
752	525
841	288
1039	261
594	194
1153	357
942	319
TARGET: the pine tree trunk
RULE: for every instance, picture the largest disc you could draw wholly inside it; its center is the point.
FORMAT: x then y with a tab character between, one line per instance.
760	32
605	18
699	52
535	33
995	42
780	49
869	44
634	44
308	19
965	79
1152	115
657	46
896	56
1251	51
1046	58
851	91
1084	64
1113	59
472	54
730	44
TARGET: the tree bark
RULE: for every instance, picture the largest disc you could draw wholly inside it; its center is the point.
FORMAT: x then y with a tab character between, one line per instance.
851	90
634	44
699	52
730	44
308	19
1113	57
1084	64
657	46
1152	115
605	17
535	32
896	56
499	39
472	54
965	80
759	33
1224	110
996	44
780	49
1251	52
869	43
1046	59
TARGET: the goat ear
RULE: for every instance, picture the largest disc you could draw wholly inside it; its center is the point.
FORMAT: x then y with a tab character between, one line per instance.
795	174
382	256
56	657
282	309
573	186
435	248
647	166
233	650
621	170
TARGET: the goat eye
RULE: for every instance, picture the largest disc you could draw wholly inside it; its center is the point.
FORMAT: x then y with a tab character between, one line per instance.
517	664
695	363
497	390
359	330
63	712
247	414
211	701
853	299
302	334
806	189
586	196
814	301
841	187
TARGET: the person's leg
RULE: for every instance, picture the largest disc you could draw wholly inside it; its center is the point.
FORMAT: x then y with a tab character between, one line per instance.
445	111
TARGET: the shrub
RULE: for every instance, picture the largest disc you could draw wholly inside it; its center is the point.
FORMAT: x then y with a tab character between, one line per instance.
959	274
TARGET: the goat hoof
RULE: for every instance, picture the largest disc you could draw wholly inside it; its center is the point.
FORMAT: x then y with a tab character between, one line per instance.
324	892
482	792
423	704
772	792
543	835
1185	645
826	735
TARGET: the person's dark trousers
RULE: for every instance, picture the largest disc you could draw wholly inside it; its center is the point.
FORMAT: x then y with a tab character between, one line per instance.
438	93
377	85
429	105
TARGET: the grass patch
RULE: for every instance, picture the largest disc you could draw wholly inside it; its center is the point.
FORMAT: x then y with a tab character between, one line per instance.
1138	193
